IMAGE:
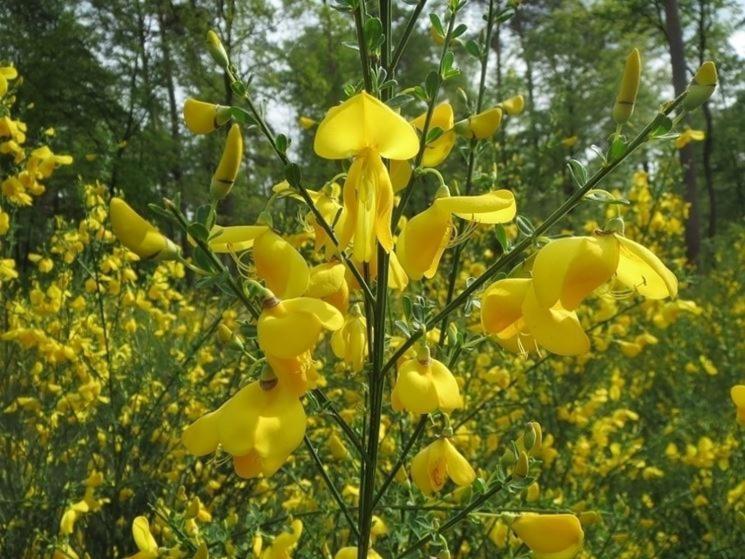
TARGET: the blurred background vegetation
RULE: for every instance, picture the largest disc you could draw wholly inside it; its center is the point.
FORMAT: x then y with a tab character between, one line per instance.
110	78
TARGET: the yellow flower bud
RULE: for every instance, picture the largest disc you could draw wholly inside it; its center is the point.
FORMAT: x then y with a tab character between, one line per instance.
306	123
701	87
589	517
230	163
217	50
514	105
624	107
203	118
138	235
738	398
523	465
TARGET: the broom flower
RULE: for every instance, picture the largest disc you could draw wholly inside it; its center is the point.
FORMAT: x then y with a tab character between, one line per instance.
366	130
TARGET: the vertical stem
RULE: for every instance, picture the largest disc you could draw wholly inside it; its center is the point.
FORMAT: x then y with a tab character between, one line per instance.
359	23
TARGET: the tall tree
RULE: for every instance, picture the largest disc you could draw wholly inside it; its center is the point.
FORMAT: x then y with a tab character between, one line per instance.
674	33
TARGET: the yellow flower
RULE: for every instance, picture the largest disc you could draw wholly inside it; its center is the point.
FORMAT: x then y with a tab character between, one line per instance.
203	118
514	105
328	283
277	262
424	385
42	162
688	136
297	374
327	203
433	465
349	343
436	151
368	130
569	269
290	327
230	163
138	235
626	99
482	125
351	553
144	540
306	123
426	235
71	515
569	142
4	223
510	310
738	397
260	427
283	544
550	536
7	73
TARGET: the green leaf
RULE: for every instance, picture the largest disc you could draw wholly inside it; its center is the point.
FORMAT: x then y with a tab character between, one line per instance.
433	134
202	259
524	225
437	24
501	236
617	148
663	125
198	231
282	142
432	84
459	30
578	172
605	197
374	33
473	48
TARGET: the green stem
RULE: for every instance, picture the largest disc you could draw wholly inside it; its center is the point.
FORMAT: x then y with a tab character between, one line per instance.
359	24
456	518
170	206
330	484
402	458
326	404
511	258
410	25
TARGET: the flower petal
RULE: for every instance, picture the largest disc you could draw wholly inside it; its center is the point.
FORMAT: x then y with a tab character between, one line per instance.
235	238
569	269
640	269
459	470
362	122
280	265
558	330
422	242
493	207
200	437
502	306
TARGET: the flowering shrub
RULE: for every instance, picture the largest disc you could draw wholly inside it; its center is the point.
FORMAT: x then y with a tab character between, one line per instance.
372	379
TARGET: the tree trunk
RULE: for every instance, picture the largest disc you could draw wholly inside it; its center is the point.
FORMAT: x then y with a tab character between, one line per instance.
690	194
709	140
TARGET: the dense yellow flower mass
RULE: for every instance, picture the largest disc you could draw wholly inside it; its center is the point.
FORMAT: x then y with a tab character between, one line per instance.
235	421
